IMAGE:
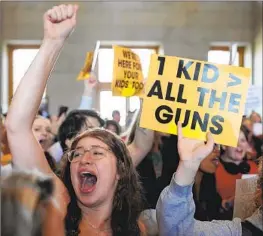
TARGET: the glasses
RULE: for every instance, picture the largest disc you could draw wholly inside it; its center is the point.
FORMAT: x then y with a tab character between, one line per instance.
96	153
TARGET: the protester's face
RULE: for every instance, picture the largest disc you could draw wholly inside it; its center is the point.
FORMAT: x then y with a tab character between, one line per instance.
255	118
248	124
42	131
210	163
117	117
99	185
112	128
238	153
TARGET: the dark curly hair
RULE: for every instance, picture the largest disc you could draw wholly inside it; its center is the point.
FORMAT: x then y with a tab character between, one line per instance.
115	124
75	121
127	202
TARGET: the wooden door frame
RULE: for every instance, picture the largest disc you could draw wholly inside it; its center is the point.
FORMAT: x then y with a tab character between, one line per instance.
10	51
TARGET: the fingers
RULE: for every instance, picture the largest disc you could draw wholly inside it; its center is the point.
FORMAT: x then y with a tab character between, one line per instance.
53	119
62	12
62	118
76	7
93	77
70	11
52	15
210	142
58	12
179	130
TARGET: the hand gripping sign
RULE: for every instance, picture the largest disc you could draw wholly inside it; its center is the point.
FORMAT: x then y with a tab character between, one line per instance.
127	73
205	97
90	63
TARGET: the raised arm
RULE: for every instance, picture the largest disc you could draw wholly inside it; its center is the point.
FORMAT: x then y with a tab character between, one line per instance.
142	142
59	22
88	93
176	208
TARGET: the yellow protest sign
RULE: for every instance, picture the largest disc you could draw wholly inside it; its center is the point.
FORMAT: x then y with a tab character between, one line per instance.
85	72
127	73
205	97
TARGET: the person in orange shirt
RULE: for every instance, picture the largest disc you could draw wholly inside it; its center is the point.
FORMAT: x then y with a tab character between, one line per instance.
233	164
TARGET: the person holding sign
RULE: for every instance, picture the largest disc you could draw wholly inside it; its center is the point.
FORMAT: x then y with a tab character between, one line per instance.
217	190
175	207
98	192
233	164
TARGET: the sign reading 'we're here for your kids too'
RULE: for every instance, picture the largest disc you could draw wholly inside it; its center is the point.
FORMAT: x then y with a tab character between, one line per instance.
205	97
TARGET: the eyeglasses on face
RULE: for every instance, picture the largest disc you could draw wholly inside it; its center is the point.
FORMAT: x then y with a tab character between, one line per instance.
95	152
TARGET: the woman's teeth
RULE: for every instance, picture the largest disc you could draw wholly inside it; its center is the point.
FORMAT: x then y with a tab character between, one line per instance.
216	160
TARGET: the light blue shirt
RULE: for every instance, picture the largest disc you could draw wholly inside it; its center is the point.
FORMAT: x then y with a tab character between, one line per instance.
175	216
85	103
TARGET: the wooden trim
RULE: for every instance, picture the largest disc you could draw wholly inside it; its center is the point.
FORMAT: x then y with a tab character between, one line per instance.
219	48
240	50
156	48
10	51
23	46
10	74
104	86
241	55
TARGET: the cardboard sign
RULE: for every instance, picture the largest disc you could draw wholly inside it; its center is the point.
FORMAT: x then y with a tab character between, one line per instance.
127	73
205	97
90	63
254	100
85	72
244	204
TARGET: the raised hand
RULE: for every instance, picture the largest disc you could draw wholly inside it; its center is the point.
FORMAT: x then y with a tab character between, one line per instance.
191	152
191	149
56	123
60	21
91	82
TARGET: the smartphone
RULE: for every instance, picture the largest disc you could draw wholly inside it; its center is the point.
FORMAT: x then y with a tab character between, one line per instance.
62	110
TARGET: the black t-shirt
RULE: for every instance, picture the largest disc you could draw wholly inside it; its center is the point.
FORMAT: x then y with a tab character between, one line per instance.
171	159
148	180
153	186
249	229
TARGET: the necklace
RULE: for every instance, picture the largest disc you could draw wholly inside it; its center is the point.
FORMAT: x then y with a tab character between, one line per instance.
97	229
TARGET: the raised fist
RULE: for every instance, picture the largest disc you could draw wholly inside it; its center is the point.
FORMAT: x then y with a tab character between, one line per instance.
60	21
92	82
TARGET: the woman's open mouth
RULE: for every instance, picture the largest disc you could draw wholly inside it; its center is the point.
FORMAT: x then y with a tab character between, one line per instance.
87	182
42	142
239	151
215	161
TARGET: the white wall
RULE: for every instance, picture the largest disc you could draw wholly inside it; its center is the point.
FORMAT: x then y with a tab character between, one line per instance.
185	29
257	44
